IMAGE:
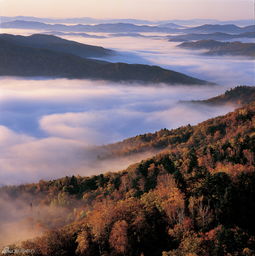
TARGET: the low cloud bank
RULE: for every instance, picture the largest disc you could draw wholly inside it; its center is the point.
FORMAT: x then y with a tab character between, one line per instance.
51	128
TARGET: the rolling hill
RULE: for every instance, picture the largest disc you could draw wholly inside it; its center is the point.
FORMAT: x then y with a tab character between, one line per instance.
50	42
20	60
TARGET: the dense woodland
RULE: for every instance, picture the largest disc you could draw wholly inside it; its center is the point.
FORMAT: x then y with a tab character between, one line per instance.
195	197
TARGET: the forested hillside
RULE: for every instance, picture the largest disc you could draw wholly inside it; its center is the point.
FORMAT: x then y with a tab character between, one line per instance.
169	139
194	198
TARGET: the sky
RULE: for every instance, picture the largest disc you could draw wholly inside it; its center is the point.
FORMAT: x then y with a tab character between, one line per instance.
142	9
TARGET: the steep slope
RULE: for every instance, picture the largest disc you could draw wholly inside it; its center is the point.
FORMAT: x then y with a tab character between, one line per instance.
19	60
222	48
197	197
58	44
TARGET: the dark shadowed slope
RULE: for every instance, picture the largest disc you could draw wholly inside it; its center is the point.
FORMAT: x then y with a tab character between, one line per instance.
222	48
19	60
51	42
237	96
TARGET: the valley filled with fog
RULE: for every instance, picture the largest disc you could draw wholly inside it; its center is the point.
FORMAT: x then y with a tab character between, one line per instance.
127	128
50	128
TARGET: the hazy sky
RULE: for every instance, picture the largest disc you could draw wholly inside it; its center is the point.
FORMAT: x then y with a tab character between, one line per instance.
143	9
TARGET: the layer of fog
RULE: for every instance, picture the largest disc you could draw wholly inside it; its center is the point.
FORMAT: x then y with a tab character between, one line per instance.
49	128
230	70
22	218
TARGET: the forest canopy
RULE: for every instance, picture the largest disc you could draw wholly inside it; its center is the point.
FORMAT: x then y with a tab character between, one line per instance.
196	197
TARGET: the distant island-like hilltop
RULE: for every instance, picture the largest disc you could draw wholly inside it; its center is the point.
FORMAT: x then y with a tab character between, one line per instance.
222	48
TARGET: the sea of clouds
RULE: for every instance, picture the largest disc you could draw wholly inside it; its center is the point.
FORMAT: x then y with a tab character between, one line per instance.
50	128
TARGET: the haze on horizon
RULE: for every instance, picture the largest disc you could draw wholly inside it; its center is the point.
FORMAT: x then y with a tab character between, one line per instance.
142	9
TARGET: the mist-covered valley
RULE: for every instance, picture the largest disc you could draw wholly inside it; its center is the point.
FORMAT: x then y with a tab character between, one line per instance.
62	121
156	49
65	137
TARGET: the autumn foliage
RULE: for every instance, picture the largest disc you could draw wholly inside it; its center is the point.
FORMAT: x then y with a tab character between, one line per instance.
195	197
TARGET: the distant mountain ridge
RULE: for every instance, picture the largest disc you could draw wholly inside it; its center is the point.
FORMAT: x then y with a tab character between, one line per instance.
89	20
171	25
84	20
127	27
212	36
85	35
107	27
227	28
